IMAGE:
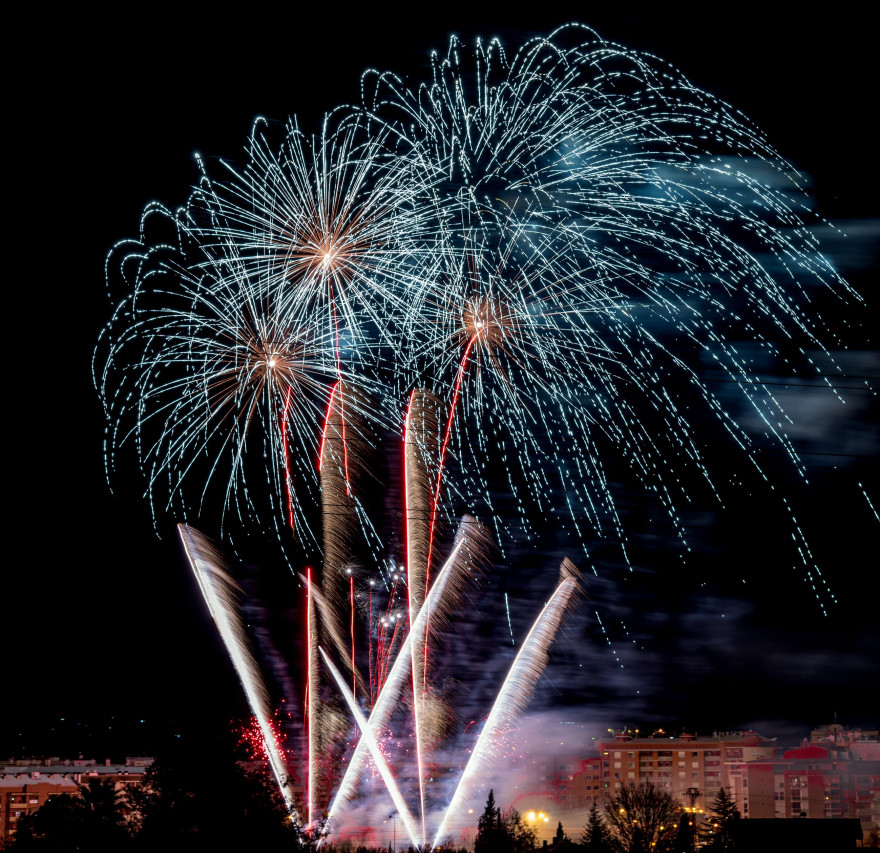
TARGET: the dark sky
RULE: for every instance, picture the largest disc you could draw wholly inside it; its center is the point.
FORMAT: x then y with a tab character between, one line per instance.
102	622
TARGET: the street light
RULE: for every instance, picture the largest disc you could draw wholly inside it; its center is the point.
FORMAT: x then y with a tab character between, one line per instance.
393	819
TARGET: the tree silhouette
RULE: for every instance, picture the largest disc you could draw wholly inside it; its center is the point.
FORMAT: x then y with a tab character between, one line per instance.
560	834
489	828
66	823
519	837
596	838
720	817
103	799
497	833
642	818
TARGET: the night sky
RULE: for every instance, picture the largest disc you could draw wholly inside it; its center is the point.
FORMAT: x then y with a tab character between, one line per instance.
101	620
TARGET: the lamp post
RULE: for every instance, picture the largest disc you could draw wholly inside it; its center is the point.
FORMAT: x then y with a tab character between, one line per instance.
393	819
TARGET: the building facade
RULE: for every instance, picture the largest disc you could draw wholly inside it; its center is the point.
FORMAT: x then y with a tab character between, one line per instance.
681	764
816	782
25	785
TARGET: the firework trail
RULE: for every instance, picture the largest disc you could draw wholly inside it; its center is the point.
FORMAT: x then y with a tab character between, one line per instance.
221	594
342	458
420	439
517	688
369	738
468	552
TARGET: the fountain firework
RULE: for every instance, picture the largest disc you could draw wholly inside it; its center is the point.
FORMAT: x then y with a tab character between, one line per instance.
540	254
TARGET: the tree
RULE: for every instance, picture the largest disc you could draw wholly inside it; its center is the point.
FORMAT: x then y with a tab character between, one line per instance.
497	833
720	818
688	829
595	838
518	836
66	823
642	818
686	833
213	805
489	828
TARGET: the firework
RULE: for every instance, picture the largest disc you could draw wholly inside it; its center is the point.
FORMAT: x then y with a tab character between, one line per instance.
517	688
205	378
541	254
331	223
608	230
221	594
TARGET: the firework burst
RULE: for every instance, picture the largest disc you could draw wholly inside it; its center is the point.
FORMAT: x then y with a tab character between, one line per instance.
615	241
330	226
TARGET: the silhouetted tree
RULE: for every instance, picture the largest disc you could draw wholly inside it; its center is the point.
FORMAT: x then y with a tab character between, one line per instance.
215	805
686	835
497	833
520	837
721	815
103	799
642	818
489	828
596	838
66	823
560	834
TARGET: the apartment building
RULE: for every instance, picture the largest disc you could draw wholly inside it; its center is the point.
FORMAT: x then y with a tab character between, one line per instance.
679	764
26	784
